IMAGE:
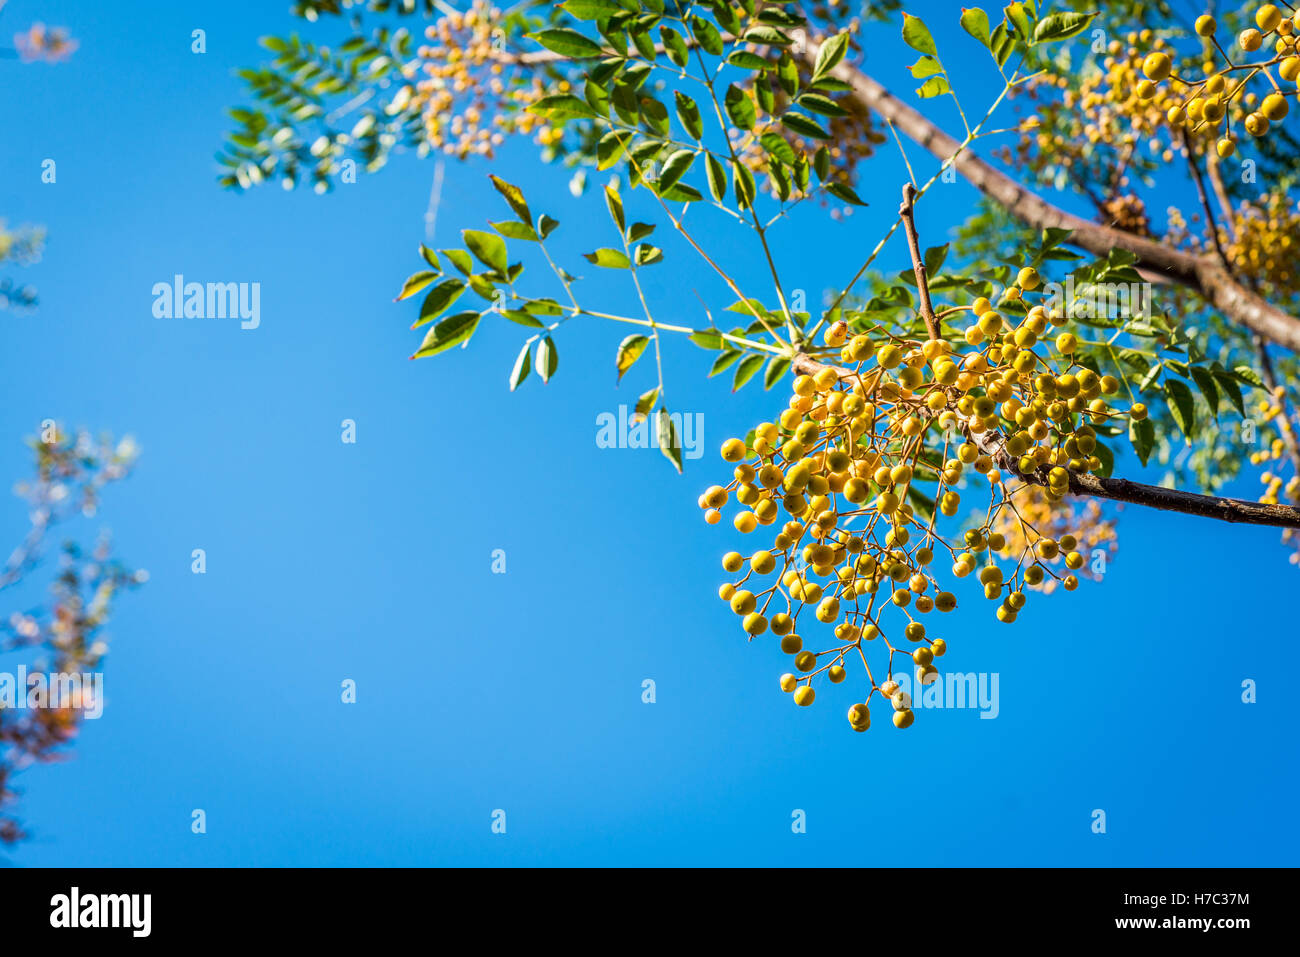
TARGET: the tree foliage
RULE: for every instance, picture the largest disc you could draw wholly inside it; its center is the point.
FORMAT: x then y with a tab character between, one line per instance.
1027	355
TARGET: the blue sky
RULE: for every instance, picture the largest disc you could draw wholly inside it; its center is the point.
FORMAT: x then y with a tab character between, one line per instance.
477	691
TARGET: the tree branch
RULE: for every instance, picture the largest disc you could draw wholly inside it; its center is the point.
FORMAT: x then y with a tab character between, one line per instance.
1202	274
905	210
1234	510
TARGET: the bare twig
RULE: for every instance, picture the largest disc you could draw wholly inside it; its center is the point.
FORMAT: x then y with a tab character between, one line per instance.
906	212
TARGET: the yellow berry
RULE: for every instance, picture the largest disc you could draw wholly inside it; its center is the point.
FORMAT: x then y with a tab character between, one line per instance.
804	696
733	450
1268	17
1205	25
1274	107
1256	124
1157	66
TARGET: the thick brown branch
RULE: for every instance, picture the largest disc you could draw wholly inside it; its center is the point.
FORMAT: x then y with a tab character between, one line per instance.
1202	274
1116	489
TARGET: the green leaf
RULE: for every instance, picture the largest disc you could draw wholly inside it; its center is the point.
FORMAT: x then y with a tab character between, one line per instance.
1230	388
669	444
844	192
976	22
644	44
611	147
935	86
678	52
639	231
1107	457
740	107
511	229
439	298
934	257
776	368
1061	26
644	404
688	114
515	197
1181	405
917	36
647	255
548	359
569	43
804	126
822	162
1248	375
488	249
707	35
629	350
925	66
431	258
681	193
545	225
787	74
523	318
746	371
1204	380
544	307
821	104
1001	44
1018	14
451	331
830	54
706	338
523	365
460	259
777	145
415	283
675	168
725	360
591	9
748	60
1143	436
717	176
744	185
614	203
608	258
766	35
563	106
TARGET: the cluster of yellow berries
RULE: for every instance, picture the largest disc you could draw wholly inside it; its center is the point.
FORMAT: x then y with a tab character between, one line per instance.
1069	122
1204	103
1266	242
470	90
860	443
1277	487
1055	520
